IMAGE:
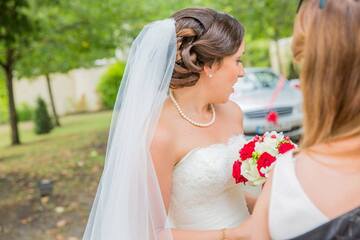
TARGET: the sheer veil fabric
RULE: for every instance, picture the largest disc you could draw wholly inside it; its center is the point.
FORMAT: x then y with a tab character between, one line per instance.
128	203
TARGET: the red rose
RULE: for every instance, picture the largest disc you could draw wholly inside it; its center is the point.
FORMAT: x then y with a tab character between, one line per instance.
284	147
237	173
247	150
265	160
256	138
272	117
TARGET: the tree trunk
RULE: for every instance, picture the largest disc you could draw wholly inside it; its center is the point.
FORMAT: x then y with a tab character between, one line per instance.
15	139
48	81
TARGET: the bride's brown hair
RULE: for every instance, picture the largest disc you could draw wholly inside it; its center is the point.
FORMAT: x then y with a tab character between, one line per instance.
204	37
327	43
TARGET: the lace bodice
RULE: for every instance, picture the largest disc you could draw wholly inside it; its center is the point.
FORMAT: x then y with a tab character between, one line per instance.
204	195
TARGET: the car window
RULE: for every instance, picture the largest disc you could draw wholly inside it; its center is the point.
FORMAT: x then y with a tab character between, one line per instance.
257	80
248	83
266	79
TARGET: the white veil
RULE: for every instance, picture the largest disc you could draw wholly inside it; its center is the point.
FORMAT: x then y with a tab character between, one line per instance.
128	204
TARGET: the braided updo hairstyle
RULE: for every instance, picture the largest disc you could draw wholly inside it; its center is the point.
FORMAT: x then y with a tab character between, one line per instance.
204	37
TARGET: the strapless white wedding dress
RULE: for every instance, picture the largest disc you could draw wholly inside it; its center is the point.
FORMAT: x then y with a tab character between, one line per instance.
204	194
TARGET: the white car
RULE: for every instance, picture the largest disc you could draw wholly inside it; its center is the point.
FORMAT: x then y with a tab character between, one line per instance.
254	93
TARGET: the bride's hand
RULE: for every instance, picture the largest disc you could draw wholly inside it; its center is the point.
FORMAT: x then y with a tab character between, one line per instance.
239	233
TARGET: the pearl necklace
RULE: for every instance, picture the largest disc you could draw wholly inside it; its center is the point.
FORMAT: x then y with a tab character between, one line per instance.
182	114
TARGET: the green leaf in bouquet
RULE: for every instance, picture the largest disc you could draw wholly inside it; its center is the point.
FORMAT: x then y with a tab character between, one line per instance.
255	156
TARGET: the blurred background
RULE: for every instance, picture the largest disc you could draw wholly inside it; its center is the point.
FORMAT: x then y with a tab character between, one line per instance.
61	63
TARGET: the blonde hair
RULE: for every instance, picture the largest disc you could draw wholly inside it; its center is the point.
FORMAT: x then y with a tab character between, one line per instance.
327	44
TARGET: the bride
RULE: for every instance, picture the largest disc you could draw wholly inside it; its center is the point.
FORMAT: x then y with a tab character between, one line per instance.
175	135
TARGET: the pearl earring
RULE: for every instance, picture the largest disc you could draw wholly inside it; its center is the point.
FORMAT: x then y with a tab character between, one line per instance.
210	75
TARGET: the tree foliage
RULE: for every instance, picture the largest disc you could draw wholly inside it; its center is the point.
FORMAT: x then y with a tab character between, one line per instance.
109	84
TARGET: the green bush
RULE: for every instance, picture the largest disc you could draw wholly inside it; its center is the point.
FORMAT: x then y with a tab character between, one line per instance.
24	112
42	120
109	84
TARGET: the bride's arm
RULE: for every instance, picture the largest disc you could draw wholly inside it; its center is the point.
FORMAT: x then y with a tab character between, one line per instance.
258	224
261	213
241	233
164	158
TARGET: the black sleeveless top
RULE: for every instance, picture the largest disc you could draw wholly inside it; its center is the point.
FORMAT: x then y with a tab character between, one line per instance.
345	227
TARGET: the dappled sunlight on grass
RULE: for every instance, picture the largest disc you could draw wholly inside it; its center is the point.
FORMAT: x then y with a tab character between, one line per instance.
70	124
72	157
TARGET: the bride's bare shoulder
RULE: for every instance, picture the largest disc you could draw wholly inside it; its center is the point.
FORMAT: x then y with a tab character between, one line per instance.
234	109
232	113
162	141
166	124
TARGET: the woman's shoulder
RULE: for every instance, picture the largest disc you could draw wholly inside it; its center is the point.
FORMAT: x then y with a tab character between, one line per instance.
170	135
232	114
162	140
232	108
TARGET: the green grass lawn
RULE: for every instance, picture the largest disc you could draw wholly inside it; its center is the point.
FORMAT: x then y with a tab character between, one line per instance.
72	157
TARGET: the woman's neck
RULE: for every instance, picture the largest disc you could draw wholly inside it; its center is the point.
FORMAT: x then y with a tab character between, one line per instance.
342	147
341	154
193	100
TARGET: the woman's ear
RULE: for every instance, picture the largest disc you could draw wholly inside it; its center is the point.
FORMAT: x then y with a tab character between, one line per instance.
210	70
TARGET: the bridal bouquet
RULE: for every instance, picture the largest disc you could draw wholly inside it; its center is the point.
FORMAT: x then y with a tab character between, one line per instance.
258	156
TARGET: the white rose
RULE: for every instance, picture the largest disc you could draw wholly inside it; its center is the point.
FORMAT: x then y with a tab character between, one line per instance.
267	170
266	146
250	172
